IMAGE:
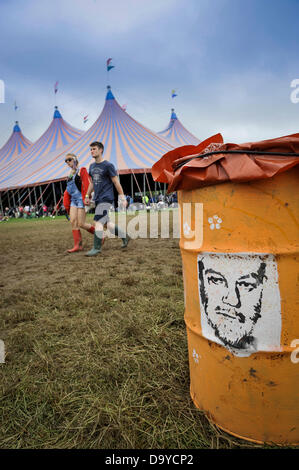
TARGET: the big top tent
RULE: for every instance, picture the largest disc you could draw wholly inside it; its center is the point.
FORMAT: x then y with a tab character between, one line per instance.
130	146
16	144
176	134
59	135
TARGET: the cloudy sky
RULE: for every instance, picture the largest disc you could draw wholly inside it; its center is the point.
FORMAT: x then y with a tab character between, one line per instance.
231	63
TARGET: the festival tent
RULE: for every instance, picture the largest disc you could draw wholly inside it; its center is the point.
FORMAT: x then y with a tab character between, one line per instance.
16	144
59	135
130	146
177	134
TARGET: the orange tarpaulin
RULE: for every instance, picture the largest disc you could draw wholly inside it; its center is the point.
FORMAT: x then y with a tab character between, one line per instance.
213	162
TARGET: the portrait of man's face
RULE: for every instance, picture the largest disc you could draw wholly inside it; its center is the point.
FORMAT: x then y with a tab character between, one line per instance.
231	289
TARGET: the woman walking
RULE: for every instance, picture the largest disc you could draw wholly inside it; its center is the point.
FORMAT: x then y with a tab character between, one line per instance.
74	195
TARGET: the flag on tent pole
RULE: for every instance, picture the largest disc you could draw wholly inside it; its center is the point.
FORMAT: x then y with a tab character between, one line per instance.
56	87
173	94
85	119
109	67
16	106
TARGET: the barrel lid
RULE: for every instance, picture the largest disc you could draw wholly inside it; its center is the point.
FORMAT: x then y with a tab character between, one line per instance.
213	162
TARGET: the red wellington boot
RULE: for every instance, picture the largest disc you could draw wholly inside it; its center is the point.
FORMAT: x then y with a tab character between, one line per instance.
77	242
91	229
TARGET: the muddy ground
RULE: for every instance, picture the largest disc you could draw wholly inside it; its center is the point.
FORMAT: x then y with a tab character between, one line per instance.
96	348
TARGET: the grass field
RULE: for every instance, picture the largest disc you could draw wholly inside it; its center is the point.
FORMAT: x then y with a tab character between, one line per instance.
96	347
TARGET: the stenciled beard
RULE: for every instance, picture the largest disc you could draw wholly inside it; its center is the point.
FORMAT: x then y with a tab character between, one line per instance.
234	332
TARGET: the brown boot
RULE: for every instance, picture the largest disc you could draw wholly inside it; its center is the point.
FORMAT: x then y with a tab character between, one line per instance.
77	242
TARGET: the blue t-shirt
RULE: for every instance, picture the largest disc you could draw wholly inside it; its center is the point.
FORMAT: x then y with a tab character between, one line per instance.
101	174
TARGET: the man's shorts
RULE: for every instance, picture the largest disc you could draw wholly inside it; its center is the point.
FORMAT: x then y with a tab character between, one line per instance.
102	212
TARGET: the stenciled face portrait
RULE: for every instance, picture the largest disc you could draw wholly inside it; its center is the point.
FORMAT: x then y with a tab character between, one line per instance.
231	290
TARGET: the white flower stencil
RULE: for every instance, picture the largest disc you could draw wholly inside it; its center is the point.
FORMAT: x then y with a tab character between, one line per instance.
195	356
215	222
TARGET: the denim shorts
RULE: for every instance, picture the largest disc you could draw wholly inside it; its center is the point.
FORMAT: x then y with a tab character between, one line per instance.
77	201
76	196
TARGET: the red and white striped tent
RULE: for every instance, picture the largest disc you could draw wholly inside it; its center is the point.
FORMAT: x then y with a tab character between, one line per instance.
15	145
176	134
58	136
129	145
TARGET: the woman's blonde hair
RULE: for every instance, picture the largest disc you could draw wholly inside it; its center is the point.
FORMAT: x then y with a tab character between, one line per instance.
74	157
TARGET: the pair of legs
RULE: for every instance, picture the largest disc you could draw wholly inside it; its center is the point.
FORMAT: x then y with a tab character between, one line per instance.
78	220
102	220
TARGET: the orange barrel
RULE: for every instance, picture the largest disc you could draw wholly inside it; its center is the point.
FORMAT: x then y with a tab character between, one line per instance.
241	304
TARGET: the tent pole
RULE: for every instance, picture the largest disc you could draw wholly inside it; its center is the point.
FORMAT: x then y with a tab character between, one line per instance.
41	195
61	190
119	177
143	184
149	186
1	204
54	194
29	194
35	205
132	186
136	181
13	198
8	199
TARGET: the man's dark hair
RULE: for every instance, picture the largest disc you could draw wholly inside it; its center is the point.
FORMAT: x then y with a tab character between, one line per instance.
260	275
97	144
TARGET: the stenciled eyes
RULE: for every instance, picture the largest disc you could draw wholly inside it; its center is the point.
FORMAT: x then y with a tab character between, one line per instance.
241	285
217	280
247	286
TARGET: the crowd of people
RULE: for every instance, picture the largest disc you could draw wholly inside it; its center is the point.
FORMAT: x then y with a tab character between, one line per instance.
42	210
154	200
29	212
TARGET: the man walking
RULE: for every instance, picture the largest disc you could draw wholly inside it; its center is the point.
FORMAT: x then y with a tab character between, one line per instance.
103	177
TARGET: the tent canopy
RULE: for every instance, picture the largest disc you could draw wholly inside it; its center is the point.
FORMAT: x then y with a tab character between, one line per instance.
177	134
58	136
129	145
16	144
